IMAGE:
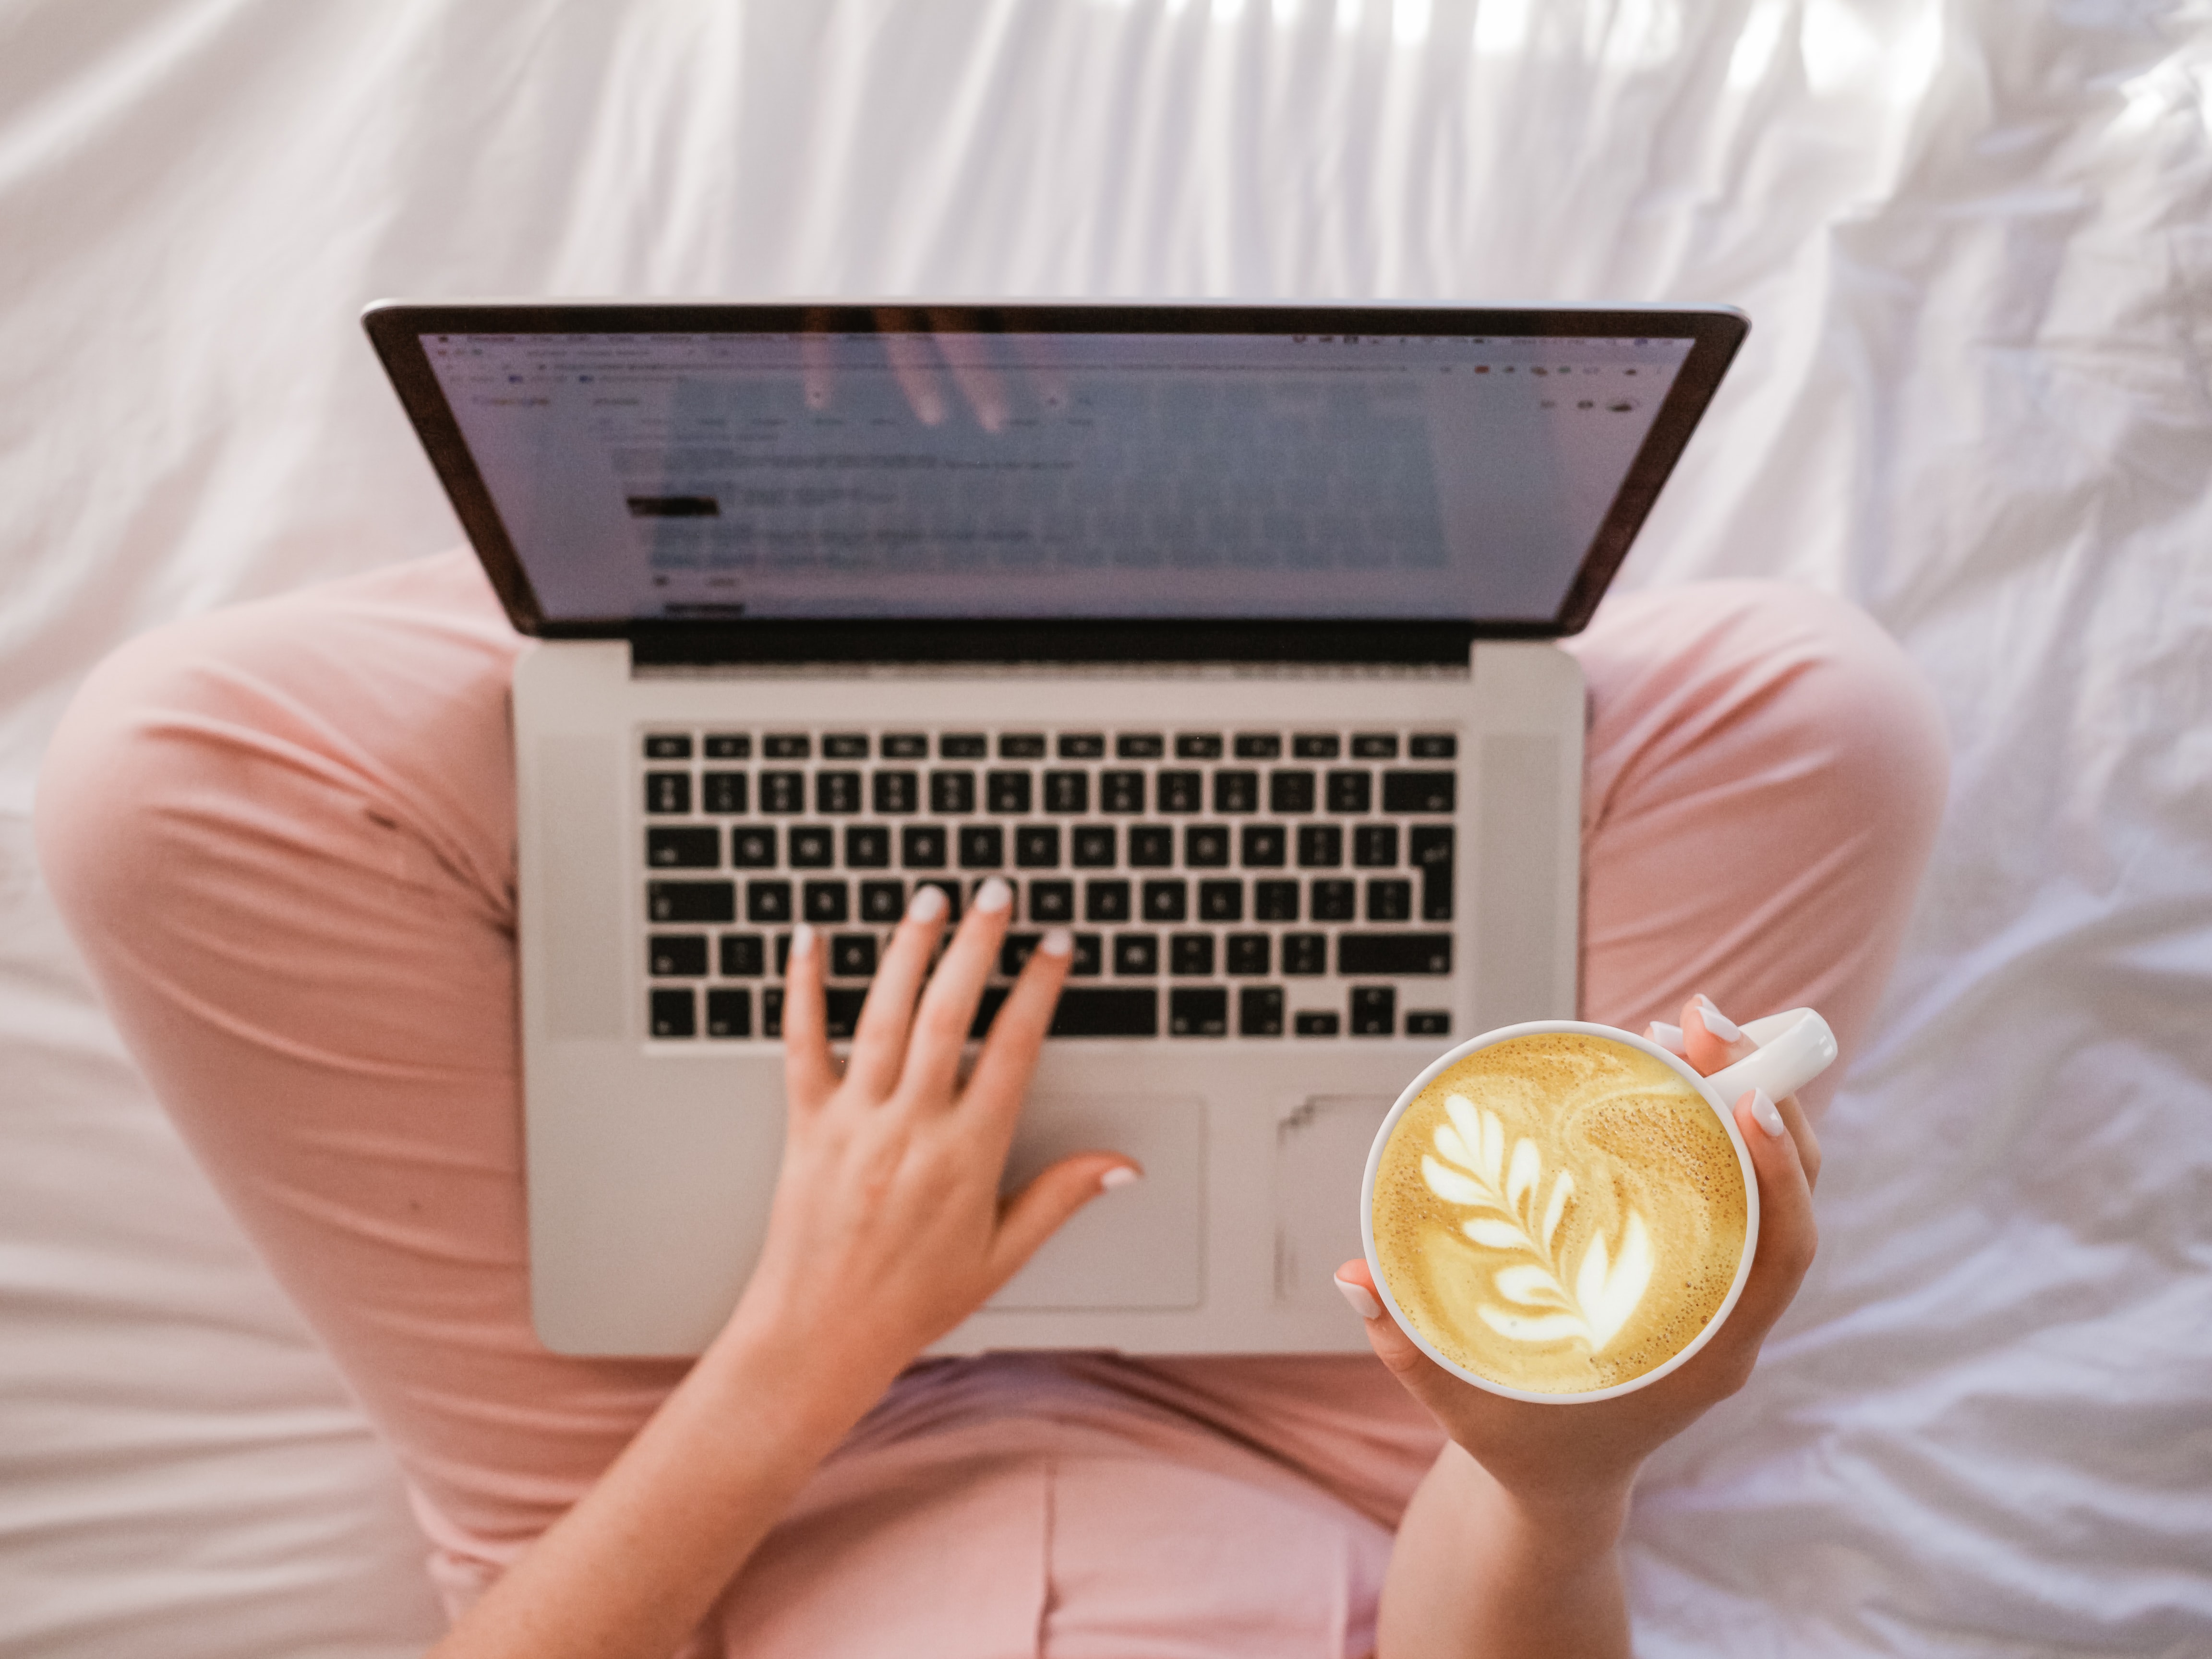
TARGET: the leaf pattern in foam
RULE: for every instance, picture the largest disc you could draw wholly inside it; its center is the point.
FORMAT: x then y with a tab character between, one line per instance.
1470	1169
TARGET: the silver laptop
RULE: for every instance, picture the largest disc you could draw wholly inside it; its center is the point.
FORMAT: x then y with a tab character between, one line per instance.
1221	632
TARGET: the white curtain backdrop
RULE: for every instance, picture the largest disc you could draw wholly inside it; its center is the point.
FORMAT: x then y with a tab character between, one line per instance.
1975	238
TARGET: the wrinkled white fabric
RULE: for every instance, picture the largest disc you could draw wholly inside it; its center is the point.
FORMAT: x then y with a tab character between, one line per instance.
1976	241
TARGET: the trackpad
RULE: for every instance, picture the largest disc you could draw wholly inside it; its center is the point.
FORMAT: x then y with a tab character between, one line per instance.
1139	1246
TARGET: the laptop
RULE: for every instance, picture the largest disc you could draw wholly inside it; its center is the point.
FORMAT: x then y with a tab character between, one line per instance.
1223	633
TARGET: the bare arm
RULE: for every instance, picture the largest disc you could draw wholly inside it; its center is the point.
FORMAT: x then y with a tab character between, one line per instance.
1508	1546
887	1231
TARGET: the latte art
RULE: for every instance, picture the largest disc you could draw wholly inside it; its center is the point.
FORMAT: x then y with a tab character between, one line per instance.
1560	1213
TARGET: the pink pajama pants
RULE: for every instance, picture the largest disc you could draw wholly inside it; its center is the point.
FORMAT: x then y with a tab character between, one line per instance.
284	836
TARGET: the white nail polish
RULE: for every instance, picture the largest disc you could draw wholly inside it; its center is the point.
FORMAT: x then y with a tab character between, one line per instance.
926	905
1120	1176
1361	1298
1766	1113
1718	1023
993	895
802	941
1668	1037
1057	943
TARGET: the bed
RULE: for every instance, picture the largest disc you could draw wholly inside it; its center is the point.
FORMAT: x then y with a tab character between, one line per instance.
1976	240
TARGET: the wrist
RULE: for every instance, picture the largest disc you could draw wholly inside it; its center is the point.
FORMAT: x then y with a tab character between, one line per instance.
1556	1517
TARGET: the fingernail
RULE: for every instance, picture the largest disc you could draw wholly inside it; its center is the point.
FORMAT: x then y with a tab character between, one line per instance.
1718	1023
802	942
1058	943
1767	1114
927	904
993	895
1361	1298
1668	1037
1120	1176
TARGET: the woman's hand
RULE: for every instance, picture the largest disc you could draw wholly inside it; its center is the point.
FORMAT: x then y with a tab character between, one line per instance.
887	1229
1577	1455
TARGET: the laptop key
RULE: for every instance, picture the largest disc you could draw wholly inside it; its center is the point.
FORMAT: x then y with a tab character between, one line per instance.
772	1011
1166	901
1274	901
1374	745
963	745
783	792
1180	792
827	900
674	1014
1375	846
768	901
667	792
836	792
1374	1011
1433	745
1289	791
986	1010
1197	745
1037	845
1006	792
1140	745
1120	791
1351	791
1136	956
1334	901
1427	1022
744	956
729	745
895	792
1198	1010
1052	901
812	847
982	845
1083	745
1152	846
952	891
668	848
1321	846
668	746
921	847
692	901
1392	955
1419	792
1236	792
867	847
952	794
1429	849
1259	745
1221	900
1390	900
1094	846
675	956
905	745
883	901
852	955
1305	954
1189	955
753	849
1106	901
842	1006
1014	952
1262	846
845	745
724	792
1088	958
787	746
1317	1024
1259	1011
1247	955
1104	1011
1205	846
1021	745
1067	792
729	1012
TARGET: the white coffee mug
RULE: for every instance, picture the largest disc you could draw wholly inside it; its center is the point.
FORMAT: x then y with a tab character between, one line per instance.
1794	1048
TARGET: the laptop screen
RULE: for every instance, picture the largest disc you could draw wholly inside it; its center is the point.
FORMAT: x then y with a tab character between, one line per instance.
903	470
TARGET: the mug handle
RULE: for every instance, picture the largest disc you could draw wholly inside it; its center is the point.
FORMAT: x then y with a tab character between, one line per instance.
1794	1048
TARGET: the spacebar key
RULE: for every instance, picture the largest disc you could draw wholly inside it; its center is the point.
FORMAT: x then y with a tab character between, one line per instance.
1394	953
1083	1011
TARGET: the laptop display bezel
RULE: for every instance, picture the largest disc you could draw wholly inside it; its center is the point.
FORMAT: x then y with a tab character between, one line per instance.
396	329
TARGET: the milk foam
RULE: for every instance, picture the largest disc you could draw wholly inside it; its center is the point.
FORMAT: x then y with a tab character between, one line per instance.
1560	1213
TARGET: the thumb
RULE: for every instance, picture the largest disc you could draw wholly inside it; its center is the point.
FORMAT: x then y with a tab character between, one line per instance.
1038	1211
1421	1376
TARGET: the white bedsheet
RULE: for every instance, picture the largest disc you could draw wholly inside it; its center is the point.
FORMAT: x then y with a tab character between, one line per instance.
1975	239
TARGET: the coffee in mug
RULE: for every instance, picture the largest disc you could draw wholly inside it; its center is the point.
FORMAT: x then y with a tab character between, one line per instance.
1565	1211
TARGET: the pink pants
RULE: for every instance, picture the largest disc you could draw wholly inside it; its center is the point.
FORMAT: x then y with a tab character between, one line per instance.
284	836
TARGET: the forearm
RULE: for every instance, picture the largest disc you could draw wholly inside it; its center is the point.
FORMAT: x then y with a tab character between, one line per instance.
1477	1572
638	1562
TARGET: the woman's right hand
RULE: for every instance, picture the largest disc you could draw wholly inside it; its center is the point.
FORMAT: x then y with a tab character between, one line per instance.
887	1228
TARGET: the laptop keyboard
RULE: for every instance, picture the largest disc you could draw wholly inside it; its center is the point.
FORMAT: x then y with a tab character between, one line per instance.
1269	884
